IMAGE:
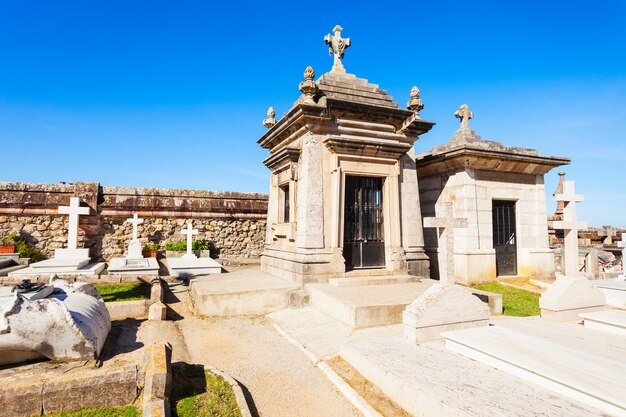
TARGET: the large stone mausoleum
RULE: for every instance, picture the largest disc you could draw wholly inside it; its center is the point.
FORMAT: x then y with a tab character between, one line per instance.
346	198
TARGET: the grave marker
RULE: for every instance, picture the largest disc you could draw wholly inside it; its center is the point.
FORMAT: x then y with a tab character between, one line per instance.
570	225
190	232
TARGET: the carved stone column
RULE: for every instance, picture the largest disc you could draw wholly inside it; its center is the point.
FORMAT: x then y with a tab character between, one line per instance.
310	215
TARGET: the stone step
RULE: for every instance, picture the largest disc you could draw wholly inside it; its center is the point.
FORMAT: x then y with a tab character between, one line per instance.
428	381
248	292
591	379
367	305
612	321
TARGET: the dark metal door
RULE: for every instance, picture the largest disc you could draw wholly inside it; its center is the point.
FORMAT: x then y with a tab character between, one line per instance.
505	237
363	246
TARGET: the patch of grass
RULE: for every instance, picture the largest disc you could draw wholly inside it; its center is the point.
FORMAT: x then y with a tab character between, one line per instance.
516	302
124	292
126	411
206	396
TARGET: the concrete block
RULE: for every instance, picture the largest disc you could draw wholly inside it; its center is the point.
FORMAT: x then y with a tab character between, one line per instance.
157	311
158	379
122	310
21	398
493	300
156	291
156	408
90	389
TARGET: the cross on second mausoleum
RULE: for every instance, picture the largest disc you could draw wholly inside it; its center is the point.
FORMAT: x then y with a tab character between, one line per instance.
570	226
136	221
190	232
465	115
445	226
73	210
337	45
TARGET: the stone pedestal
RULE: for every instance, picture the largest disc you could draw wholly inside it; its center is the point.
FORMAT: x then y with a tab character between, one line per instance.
570	296
443	308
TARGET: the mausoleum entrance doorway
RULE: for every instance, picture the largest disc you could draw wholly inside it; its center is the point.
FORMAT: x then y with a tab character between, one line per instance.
505	237
364	244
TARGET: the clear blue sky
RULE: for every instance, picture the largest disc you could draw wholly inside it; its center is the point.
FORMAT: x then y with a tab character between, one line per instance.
172	94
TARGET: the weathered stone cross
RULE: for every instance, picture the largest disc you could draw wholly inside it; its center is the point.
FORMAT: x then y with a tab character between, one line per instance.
337	45
609	232
570	226
465	115
445	226
190	232
73	210
136	221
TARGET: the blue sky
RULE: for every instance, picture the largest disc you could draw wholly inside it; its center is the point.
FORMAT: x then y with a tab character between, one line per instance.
172	94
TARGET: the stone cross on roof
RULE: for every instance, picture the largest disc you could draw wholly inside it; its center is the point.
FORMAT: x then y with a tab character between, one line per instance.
570	225
465	115
337	45
190	232
136	221
446	225
73	210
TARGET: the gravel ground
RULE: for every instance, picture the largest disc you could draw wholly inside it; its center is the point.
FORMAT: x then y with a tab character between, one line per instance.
281	380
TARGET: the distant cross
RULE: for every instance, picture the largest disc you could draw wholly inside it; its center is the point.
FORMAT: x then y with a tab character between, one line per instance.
337	45
609	233
622	245
465	115
570	227
190	232
136	221
73	210
445	226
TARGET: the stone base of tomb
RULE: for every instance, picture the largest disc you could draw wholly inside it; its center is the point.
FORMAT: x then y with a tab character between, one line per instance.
142	266
318	266
570	296
89	269
178	267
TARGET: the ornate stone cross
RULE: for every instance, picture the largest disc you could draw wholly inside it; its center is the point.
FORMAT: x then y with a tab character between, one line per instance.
337	45
445	226
570	225
73	210
190	232
136	221
465	115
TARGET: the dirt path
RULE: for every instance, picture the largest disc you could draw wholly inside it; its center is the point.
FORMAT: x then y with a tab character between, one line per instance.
281	380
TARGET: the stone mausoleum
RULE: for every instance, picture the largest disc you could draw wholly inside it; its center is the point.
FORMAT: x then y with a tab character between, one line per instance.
347	199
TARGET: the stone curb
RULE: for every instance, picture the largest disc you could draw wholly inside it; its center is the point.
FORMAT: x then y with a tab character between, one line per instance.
121	310
239	396
158	381
351	395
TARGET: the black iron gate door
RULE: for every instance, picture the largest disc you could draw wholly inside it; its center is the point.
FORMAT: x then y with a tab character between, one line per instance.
505	237
363	246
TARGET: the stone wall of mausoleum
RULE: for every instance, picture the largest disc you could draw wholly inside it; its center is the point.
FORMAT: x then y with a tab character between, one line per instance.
232	223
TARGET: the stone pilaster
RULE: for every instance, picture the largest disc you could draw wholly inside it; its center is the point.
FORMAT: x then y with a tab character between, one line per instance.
310	214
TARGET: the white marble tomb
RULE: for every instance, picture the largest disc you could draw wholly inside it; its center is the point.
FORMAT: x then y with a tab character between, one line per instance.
189	264
134	262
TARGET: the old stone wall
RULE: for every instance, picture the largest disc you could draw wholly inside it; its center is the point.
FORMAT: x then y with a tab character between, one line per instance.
233	223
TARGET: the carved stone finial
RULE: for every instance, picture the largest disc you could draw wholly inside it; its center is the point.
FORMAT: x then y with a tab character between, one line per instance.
308	86
271	118
465	115
337	45
415	104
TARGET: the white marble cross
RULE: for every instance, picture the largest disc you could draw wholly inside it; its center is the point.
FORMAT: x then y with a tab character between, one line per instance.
445	226
73	210
136	221
190	232
465	115
337	45
570	225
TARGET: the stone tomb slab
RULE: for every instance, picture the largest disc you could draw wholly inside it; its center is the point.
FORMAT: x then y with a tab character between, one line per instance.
428	381
570	296
193	266
592	379
612	321
87	269
614	290
144	266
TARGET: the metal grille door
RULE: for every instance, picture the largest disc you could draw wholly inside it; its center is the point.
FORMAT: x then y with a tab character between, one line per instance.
364	245
505	237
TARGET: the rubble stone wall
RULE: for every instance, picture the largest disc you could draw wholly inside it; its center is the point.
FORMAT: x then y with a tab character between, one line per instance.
233	223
